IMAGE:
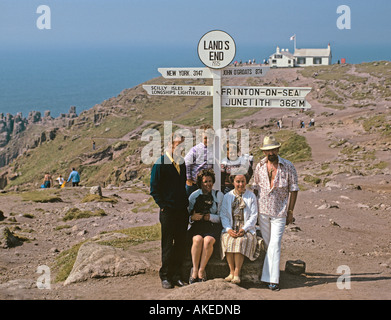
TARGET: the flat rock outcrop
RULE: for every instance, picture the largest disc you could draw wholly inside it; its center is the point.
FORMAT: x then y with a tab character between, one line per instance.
97	261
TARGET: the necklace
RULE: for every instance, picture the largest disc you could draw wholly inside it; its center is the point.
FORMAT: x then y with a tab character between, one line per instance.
271	173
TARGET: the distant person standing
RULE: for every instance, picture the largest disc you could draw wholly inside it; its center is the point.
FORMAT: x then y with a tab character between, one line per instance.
60	180
279	124
75	177
47	180
93	145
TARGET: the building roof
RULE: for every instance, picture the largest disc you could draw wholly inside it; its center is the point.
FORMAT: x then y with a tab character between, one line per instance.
287	53
312	52
284	53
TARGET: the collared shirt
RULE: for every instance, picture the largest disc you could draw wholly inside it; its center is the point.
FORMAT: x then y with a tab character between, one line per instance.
274	201
176	165
199	157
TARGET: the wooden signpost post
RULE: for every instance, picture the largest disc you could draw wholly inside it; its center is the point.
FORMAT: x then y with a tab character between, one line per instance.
216	50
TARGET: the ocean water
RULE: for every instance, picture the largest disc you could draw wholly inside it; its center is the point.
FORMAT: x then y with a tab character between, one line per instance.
57	78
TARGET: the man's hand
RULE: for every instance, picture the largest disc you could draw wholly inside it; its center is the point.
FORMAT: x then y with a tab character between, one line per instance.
289	218
190	182
196	216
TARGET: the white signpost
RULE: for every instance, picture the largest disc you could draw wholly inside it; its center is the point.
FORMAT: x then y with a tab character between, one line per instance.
185	73
167	90
252	71
216	50
269	97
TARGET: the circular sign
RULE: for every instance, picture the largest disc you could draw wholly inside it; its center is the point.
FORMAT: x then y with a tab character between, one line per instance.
216	49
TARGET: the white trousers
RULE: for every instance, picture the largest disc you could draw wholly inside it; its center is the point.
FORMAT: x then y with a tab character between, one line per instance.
272	229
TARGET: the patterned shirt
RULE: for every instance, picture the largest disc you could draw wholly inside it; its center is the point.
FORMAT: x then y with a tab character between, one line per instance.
228	167
199	157
274	201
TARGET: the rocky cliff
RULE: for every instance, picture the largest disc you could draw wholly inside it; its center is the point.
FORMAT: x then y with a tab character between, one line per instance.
105	143
15	132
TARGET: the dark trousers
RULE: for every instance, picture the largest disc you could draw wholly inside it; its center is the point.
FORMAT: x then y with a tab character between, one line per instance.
174	229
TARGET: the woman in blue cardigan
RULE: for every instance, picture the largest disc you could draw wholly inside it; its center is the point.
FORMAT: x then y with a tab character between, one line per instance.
239	215
205	227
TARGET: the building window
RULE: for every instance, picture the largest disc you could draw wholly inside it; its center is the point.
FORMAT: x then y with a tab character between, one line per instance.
278	56
274	61
317	60
301	60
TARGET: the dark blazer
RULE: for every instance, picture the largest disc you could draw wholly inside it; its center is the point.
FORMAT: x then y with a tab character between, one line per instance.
168	188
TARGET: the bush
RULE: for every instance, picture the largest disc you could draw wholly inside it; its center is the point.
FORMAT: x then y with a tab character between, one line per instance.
76	213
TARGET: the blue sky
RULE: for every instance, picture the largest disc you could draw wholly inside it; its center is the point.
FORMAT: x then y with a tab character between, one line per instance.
183	22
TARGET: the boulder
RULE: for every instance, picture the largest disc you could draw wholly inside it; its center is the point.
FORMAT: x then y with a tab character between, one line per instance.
295	267
96	261
7	239
96	190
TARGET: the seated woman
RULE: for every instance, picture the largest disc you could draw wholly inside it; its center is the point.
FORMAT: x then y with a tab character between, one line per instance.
204	209
239	214
231	163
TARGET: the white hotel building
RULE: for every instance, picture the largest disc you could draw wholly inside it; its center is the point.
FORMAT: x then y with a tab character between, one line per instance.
301	58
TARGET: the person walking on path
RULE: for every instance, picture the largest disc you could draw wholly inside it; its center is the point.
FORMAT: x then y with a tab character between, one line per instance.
75	177
168	180
276	186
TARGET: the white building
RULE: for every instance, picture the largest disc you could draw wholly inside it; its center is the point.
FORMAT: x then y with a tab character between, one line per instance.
301	58
313	57
282	59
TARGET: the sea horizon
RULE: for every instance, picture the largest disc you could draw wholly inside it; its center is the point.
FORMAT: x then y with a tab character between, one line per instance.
56	78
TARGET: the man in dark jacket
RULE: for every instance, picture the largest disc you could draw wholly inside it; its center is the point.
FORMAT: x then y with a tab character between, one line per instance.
168	180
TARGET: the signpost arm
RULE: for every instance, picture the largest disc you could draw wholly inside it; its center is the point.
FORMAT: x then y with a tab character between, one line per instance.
217	125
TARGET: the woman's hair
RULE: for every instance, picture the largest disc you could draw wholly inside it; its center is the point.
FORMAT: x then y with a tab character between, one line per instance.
233	176
205	173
